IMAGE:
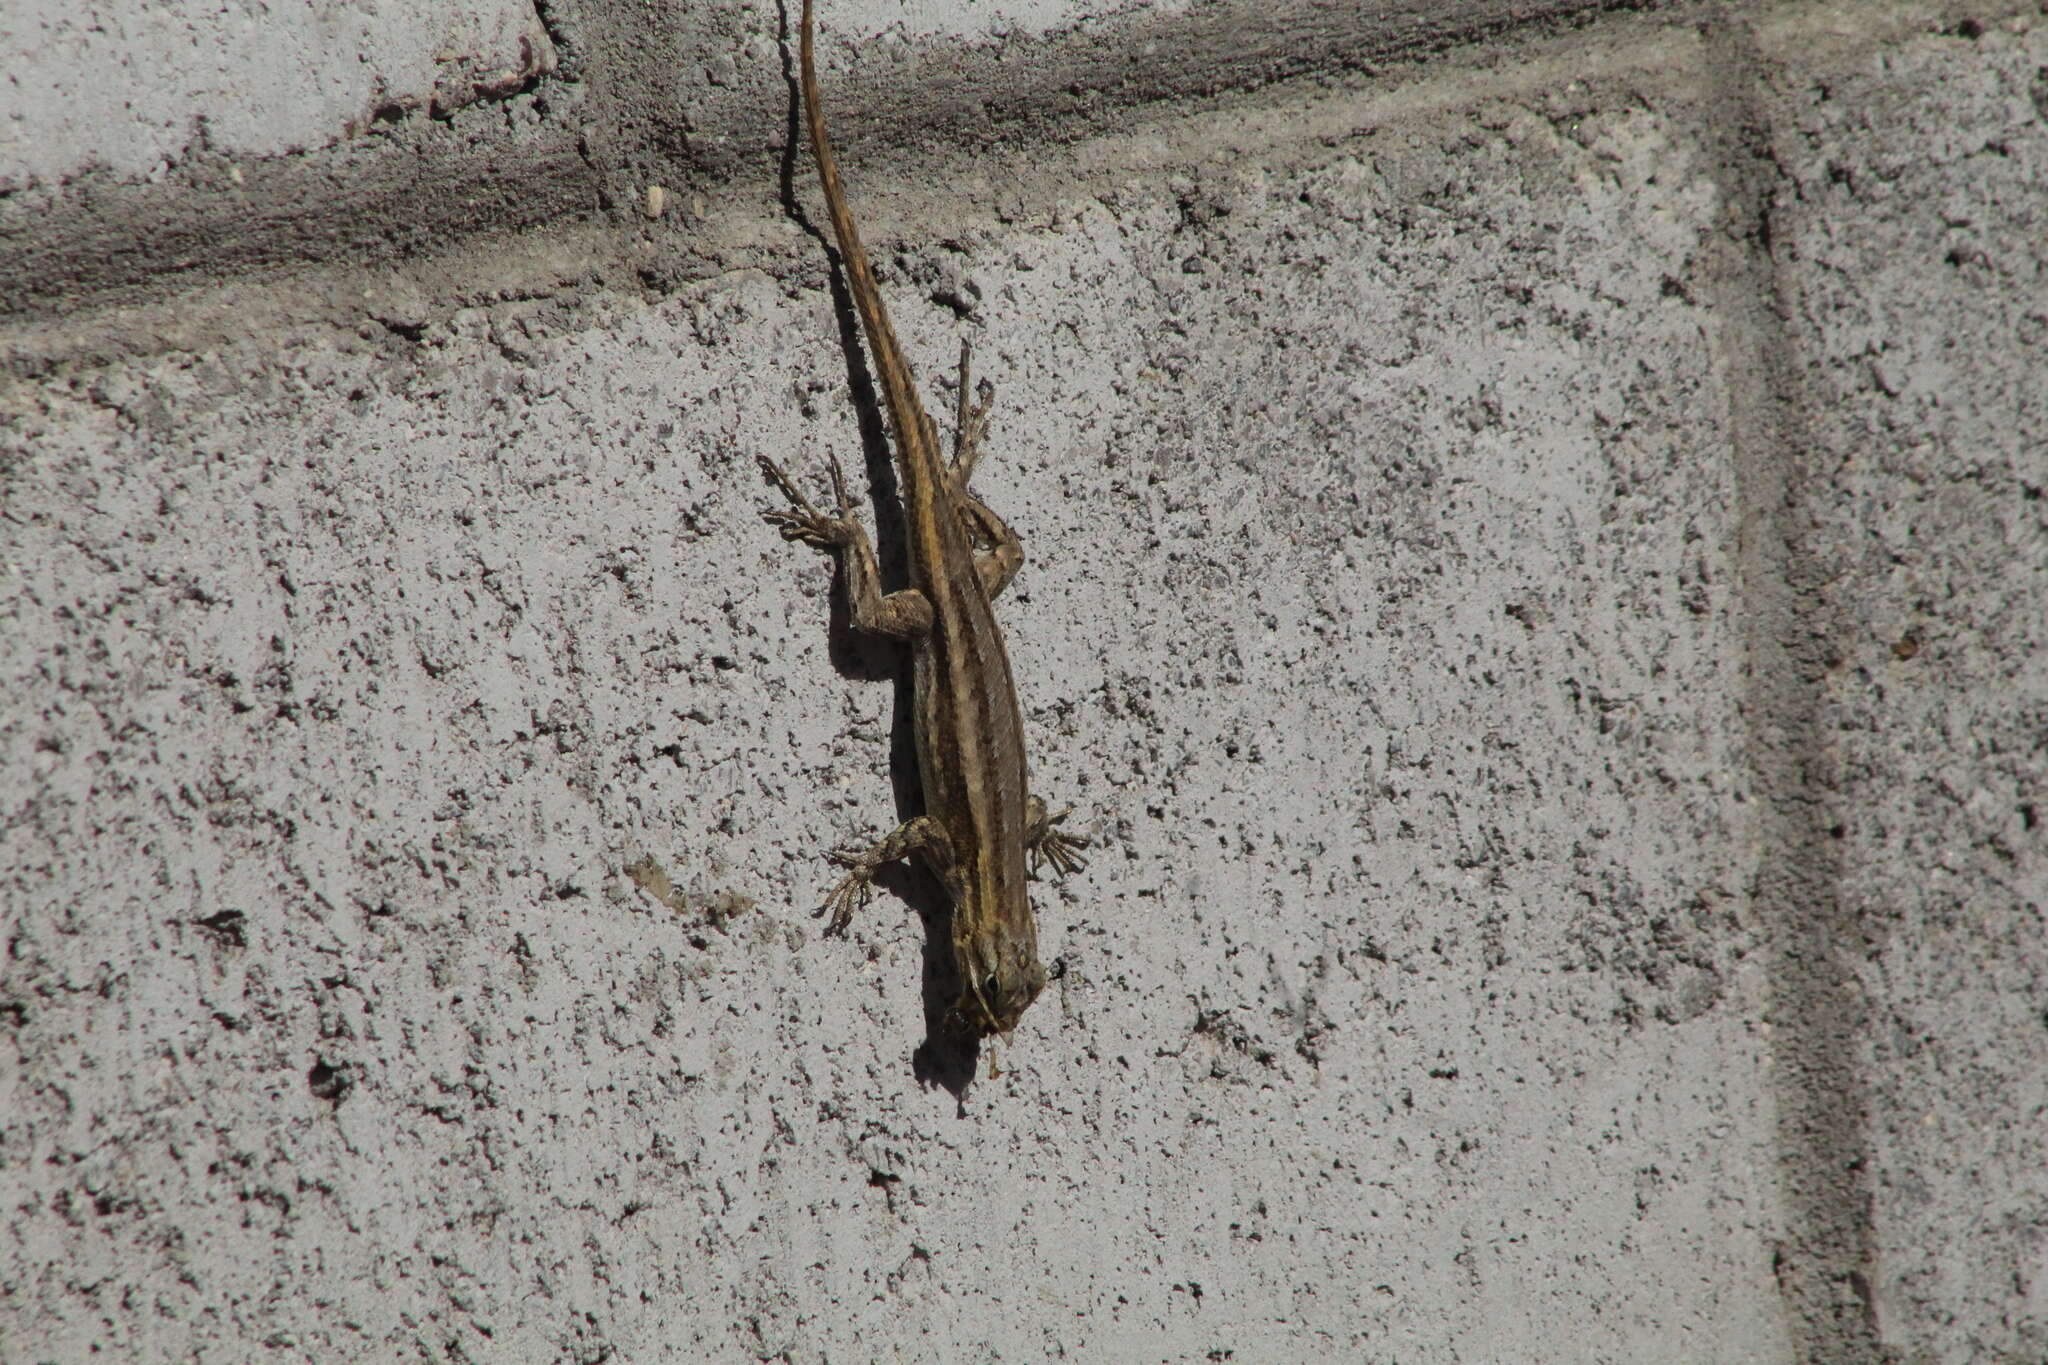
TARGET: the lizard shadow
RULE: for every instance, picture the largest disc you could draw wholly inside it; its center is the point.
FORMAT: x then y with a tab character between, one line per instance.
945	1057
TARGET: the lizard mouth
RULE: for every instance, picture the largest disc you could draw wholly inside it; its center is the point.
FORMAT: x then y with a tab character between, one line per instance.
991	1009
970	1017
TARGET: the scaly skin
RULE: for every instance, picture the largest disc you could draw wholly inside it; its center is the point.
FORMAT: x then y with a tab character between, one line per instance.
980	822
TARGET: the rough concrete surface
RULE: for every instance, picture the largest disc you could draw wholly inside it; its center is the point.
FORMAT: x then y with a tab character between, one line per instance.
1914	213
1536	561
132	89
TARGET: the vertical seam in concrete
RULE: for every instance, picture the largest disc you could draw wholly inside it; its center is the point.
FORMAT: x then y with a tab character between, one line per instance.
1825	1250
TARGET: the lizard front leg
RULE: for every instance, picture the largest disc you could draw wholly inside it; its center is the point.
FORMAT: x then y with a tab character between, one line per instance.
922	835
901	615
1044	840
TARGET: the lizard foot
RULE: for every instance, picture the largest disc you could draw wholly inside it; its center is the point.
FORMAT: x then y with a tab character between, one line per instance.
850	895
801	521
1055	846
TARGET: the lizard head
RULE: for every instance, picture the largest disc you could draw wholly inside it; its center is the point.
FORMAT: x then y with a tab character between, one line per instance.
1001	976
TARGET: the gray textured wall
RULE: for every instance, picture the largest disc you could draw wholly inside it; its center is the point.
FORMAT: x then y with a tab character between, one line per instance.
1537	572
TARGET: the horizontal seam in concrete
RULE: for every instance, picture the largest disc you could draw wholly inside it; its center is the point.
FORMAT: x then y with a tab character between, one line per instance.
422	183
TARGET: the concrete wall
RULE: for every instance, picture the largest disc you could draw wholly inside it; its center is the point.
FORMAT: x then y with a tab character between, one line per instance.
1537	563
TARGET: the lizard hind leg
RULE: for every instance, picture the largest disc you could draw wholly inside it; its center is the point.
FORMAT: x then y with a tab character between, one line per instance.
970	422
899	615
998	564
804	522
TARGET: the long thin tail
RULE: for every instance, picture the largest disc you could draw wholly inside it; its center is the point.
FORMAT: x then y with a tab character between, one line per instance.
906	413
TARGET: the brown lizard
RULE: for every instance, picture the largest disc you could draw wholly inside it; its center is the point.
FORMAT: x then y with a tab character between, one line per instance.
980	823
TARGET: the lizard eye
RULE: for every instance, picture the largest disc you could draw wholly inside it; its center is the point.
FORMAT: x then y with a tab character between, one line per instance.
990	987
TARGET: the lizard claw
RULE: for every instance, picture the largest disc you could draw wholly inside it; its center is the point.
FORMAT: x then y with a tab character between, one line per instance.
804	522
1056	846
851	894
843	900
826	533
